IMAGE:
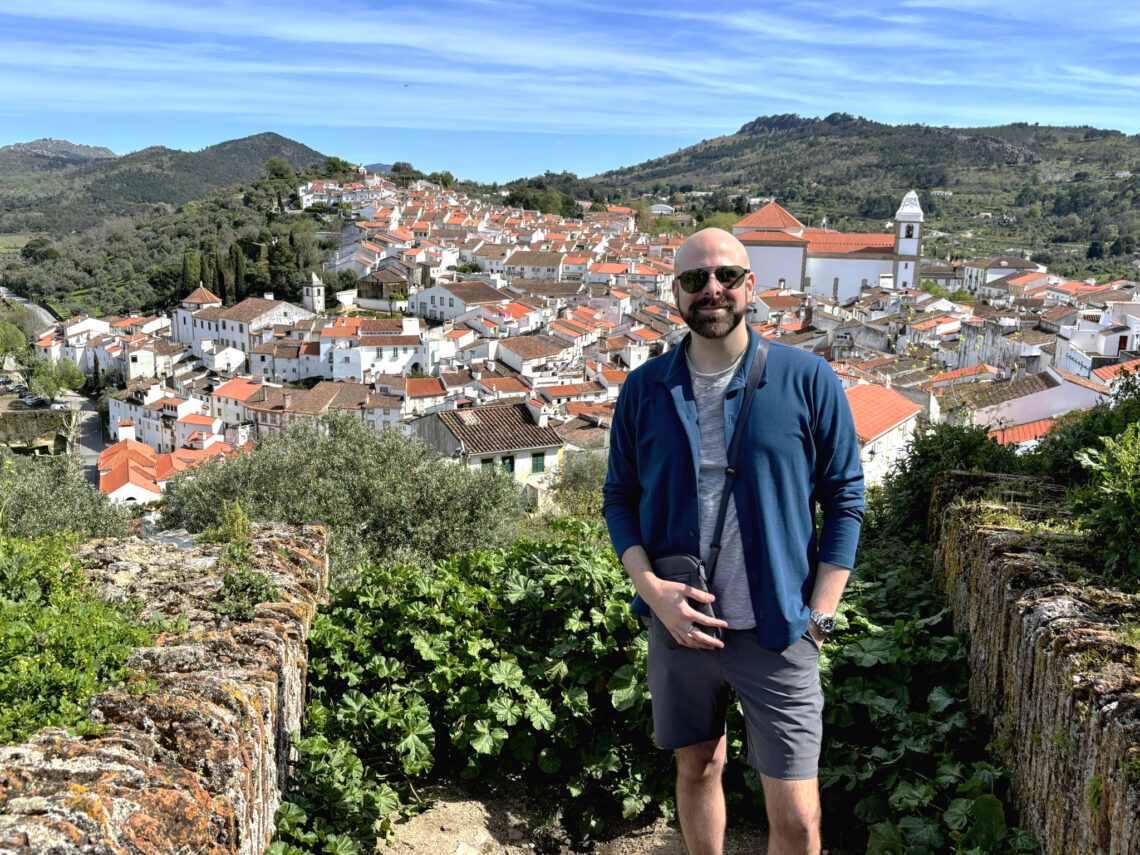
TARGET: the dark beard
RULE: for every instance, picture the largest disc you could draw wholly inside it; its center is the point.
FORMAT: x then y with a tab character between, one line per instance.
714	326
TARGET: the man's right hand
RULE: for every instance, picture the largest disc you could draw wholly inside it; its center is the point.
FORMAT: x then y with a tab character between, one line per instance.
670	602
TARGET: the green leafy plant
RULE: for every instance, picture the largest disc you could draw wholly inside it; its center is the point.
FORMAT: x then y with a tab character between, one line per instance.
242	587
905	767
521	664
1110	506
61	644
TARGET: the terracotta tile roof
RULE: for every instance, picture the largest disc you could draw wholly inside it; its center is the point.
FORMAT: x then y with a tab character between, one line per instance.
237	389
771	216
838	242
1085	382
424	387
474	292
1023	433
249	309
1111	372
125	473
877	409
498	427
1000	391
531	347
755	237
501	385
200	295
197	419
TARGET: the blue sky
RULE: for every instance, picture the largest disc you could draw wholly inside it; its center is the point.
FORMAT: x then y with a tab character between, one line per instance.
495	90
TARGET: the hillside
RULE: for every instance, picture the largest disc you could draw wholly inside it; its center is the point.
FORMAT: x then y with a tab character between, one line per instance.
57	194
843	151
1068	195
63	149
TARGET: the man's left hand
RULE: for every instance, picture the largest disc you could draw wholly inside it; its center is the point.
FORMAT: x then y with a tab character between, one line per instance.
817	636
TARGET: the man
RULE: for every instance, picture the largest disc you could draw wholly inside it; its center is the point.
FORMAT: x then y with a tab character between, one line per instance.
777	580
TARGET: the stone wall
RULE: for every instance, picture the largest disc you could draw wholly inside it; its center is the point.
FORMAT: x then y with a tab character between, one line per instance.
196	762
1049	662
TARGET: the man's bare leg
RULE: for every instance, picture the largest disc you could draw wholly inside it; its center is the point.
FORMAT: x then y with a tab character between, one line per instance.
793	816
700	797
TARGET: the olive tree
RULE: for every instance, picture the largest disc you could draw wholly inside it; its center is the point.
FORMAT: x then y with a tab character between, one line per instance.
382	496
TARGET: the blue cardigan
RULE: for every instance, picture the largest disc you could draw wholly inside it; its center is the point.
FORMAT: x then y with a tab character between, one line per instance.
800	453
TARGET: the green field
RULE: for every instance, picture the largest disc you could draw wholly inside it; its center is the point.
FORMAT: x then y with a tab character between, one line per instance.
13	242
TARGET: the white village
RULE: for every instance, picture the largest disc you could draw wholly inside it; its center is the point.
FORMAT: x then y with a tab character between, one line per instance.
502	337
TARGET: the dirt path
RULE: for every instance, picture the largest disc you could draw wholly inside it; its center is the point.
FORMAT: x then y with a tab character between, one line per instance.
460	825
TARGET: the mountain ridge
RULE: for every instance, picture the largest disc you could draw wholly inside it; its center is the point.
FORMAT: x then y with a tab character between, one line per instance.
49	194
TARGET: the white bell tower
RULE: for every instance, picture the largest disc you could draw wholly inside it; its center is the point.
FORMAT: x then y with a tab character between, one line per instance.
313	295
908	242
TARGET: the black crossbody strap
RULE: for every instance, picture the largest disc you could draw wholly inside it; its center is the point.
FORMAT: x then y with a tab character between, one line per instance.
758	361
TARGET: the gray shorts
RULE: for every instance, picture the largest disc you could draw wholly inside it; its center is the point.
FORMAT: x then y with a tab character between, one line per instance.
779	692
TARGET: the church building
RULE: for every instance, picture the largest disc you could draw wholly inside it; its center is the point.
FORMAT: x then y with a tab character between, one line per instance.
784	253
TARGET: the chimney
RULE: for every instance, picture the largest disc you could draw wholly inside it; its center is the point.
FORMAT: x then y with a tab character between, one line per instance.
286	397
268	295
126	429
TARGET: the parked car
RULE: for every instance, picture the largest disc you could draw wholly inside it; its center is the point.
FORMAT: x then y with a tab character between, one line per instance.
60	405
34	401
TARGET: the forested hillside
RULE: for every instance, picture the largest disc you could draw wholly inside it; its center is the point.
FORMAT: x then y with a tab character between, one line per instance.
59	195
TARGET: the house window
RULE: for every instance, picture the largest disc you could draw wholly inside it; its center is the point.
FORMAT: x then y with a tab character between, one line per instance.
433	300
910	230
450	301
487	463
538	462
509	463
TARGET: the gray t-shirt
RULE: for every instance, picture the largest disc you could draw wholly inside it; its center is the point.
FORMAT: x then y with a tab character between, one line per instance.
730	581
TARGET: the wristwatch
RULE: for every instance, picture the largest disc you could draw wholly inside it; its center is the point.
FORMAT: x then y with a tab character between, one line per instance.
824	623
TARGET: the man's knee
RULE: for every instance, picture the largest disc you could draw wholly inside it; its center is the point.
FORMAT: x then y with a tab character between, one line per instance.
703	762
797	824
793	812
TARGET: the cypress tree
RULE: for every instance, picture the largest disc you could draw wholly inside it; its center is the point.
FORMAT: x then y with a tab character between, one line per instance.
238	259
188	283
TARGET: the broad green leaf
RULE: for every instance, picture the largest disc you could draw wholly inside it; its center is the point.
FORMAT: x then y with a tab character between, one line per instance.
625	688
989	828
506	673
539	714
885	839
957	816
908	796
871	809
505	708
921	831
939	699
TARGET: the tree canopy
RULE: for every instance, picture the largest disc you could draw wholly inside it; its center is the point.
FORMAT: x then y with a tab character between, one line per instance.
384	497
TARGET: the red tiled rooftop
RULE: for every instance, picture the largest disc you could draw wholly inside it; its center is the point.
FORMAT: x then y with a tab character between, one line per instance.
877	409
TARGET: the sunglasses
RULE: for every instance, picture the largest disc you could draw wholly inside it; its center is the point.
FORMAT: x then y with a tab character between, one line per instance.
729	276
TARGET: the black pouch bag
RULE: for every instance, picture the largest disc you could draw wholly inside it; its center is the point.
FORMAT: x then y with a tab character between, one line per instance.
688	570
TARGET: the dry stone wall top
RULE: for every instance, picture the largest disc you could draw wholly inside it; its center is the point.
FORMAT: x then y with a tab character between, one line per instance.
197	762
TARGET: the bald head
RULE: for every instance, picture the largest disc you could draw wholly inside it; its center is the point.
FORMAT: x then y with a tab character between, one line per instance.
710	244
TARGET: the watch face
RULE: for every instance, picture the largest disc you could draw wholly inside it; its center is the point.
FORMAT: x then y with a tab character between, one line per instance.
826	624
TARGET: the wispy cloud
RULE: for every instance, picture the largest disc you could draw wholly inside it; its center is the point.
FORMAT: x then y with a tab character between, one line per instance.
576	69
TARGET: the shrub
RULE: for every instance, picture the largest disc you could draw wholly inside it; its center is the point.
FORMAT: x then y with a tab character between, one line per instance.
61	643
45	495
1056	456
904	502
383	497
904	766
523	664
1110	506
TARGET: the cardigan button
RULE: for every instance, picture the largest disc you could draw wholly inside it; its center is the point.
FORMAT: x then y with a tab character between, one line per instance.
692	533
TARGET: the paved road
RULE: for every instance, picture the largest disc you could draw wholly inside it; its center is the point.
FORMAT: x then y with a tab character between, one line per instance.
42	316
90	436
